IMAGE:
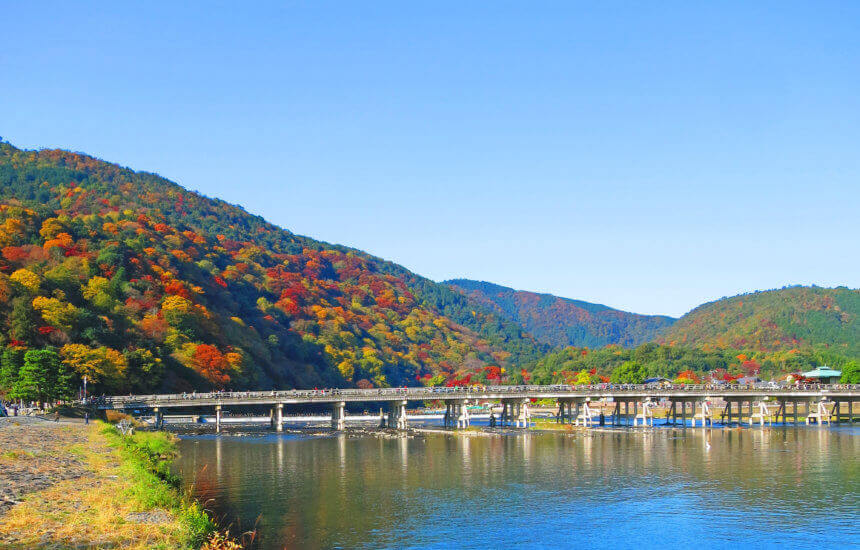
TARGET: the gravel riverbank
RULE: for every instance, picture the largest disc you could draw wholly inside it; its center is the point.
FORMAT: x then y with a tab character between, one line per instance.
35	456
70	485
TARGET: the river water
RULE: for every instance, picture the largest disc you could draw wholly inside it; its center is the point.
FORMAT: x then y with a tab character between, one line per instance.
723	488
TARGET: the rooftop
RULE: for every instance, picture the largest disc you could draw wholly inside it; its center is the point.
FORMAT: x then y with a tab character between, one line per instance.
822	372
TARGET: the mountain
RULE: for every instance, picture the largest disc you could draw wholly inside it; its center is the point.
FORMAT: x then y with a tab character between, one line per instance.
796	317
140	284
562	321
767	334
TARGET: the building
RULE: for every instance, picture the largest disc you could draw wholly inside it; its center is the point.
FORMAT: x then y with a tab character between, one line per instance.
824	375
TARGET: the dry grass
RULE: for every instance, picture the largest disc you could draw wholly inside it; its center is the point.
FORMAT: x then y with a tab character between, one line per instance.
119	503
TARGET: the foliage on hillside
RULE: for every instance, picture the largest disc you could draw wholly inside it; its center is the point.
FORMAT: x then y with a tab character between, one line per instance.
617	364
562	321
795	317
142	285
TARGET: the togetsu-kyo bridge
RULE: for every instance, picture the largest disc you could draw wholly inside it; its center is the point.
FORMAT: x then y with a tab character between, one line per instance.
686	405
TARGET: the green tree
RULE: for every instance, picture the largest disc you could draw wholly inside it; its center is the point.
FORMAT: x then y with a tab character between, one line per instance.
10	364
34	378
629	372
850	373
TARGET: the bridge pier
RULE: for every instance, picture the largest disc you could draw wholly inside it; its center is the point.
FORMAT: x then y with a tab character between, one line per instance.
338	415
646	416
820	415
587	415
565	411
704	415
397	415
524	415
217	419
457	414
159	418
510	411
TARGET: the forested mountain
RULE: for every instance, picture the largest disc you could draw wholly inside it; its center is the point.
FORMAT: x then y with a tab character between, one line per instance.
562	321
796	317
140	284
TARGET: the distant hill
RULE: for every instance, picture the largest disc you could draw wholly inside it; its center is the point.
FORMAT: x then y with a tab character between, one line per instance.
795	317
141	284
563	321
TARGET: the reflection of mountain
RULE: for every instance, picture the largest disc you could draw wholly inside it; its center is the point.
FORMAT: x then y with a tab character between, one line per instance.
373	492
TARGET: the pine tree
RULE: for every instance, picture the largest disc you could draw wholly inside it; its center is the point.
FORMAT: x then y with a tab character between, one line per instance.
43	377
10	364
33	378
65	384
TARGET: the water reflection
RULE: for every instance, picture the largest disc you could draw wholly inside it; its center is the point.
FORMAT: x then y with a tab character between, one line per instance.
679	487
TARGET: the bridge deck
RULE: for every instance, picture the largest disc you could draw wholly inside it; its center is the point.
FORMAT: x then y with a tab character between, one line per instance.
595	392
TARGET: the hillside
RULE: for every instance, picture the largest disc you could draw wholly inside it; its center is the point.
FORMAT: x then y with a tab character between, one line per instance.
562	321
795	317
141	284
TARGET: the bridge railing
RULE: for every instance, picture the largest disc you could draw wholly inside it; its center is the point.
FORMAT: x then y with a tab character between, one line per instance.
431	393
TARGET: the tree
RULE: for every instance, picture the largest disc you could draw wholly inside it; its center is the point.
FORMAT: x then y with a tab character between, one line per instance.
629	372
211	363
10	363
37	378
850	373
105	367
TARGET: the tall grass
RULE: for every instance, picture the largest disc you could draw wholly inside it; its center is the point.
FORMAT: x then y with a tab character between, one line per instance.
145	461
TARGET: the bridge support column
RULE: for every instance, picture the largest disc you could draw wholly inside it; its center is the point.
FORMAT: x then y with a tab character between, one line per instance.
159	418
279	417
705	414
523	414
338	415
463	419
851	411
217	418
510	412
647	416
397	415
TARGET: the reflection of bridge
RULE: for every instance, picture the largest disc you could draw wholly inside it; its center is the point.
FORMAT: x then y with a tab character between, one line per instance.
580	404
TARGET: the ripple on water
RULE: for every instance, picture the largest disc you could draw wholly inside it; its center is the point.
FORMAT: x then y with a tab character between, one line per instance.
714	489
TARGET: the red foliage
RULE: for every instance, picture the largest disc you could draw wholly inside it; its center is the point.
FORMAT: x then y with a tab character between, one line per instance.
177	288
211	363
15	253
46	330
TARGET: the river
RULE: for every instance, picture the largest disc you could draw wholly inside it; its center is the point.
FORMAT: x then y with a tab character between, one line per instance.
723	488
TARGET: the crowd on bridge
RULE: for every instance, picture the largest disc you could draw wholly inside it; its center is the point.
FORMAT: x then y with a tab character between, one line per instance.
431	392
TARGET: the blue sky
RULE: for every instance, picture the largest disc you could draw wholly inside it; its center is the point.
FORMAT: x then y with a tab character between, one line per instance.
645	156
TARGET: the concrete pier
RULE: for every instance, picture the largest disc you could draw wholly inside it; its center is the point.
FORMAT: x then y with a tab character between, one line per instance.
338	415
397	414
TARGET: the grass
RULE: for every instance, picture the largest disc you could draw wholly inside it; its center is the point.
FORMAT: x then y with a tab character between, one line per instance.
129	499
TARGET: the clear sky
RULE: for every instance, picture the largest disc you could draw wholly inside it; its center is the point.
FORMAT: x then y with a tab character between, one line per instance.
649	156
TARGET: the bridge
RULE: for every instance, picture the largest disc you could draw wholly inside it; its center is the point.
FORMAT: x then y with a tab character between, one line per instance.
581	405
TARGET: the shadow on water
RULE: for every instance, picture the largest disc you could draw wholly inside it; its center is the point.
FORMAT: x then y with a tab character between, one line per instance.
713	488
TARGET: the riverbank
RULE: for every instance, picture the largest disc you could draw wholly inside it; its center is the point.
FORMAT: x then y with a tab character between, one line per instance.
67	484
